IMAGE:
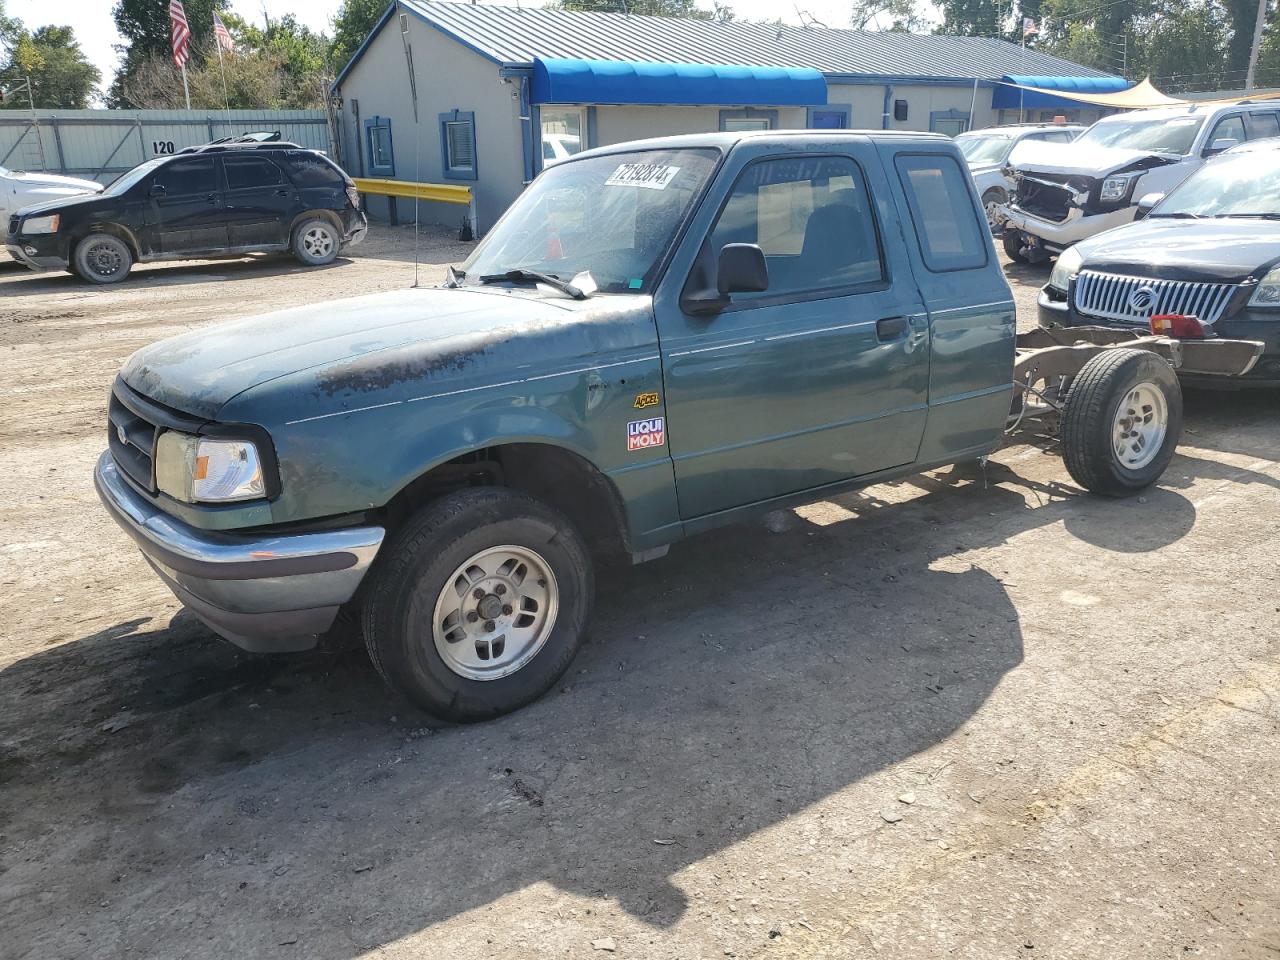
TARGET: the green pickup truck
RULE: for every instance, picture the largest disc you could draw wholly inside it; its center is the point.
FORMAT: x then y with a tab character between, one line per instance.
657	338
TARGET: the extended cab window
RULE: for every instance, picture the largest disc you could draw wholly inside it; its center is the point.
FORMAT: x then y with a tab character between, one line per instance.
812	218
942	212
251	172
183	177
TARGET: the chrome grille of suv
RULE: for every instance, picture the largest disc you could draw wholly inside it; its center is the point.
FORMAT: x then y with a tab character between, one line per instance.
1135	299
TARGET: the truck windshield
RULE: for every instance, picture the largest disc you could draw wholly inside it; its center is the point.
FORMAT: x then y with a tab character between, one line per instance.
1159	136
1237	185
613	216
988	149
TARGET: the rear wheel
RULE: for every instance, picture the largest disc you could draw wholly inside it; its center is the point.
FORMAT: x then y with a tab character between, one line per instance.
1012	240
1121	422
479	604
990	201
102	258
316	242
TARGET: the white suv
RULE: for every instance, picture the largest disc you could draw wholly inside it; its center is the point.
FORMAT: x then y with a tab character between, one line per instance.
1066	193
988	151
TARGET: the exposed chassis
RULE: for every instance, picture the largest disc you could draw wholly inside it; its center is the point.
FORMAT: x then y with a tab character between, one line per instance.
1048	358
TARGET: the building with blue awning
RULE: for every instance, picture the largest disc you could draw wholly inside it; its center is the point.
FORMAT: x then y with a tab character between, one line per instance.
488	95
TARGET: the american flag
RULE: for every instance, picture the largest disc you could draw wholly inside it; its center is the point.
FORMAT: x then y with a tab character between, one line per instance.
181	33
222	35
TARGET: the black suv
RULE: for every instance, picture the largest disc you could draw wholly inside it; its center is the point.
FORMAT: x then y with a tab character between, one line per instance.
220	199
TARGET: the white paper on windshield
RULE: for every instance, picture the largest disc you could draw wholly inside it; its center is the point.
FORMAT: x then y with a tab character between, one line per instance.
651	176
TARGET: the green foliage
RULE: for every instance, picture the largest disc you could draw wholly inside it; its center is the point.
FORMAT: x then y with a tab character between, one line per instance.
354	22
974	18
61	77
903	16
646	8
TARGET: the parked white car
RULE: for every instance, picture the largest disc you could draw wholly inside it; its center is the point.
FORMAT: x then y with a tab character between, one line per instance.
1064	193
19	189
988	153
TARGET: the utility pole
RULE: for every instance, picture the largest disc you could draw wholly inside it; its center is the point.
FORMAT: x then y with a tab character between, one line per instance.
1257	44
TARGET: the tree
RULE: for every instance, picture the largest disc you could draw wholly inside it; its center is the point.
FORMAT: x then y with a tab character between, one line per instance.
973	18
352	25
646	8
902	16
144	24
61	77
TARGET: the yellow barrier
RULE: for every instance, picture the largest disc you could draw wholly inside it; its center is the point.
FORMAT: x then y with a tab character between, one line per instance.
437	192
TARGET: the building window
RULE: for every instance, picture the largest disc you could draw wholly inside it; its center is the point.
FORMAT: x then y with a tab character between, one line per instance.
564	133
458	144
950	122
834	116
737	121
377	131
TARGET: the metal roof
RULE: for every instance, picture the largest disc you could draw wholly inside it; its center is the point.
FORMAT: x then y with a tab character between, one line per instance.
515	36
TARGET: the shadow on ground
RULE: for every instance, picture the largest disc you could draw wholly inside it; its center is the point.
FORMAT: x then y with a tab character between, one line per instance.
183	787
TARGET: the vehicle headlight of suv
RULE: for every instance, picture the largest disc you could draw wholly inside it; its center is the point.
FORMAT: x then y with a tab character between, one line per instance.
1068	266
1267	295
47	224
208	469
1117	188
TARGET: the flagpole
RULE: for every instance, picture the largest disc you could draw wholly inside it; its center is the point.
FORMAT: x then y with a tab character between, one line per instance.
185	89
226	98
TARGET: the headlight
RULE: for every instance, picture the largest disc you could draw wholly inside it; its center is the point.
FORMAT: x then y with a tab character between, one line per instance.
208	469
1268	292
47	224
1068	266
1115	188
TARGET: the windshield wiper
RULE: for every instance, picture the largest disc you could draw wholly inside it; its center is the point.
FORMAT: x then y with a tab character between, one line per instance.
1247	216
1179	215
533	276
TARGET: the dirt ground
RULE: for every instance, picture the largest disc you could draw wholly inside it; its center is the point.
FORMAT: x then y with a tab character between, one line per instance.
966	715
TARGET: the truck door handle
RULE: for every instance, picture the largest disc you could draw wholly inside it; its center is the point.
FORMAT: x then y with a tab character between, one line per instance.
211	200
890	328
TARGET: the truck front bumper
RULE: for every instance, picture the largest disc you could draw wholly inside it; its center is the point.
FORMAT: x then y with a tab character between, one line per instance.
1055	235
267	593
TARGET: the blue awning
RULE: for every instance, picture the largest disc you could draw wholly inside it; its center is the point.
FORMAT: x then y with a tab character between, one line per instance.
627	81
1011	98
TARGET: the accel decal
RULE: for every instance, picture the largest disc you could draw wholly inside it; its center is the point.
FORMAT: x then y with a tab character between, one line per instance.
644	400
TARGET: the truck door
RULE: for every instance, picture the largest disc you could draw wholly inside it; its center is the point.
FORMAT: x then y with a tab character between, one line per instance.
824	375
187	205
971	316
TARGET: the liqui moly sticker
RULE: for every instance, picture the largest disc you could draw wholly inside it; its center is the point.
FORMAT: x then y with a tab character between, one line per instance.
651	176
642	434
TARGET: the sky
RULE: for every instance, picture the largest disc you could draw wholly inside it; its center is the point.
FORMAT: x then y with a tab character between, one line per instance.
96	30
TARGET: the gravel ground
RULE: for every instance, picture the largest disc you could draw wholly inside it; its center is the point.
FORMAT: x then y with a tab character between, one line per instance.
972	715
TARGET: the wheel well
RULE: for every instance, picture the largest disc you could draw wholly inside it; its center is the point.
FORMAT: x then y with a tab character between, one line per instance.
313	215
114	229
998	192
557	477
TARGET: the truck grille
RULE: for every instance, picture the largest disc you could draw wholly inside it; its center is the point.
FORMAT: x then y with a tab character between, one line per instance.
131	437
1135	299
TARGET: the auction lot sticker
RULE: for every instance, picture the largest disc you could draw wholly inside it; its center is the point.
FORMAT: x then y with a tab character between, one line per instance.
651	176
642	434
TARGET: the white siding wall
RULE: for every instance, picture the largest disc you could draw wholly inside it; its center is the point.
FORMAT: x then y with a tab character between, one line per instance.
618	124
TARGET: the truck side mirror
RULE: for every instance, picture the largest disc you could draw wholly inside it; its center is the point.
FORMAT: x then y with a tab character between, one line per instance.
741	269
1222	143
1145	203
157	190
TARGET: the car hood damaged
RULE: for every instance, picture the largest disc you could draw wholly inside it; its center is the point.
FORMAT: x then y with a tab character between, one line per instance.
357	352
1085	159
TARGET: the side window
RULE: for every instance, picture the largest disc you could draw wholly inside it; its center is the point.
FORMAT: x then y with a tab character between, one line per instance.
1228	128
250	172
183	177
377	133
458	145
811	216
307	169
746	120
1265	125
942	212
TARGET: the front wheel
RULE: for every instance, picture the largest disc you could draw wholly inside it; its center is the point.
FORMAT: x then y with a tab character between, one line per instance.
1012	240
991	201
479	604
316	242
102	258
1121	421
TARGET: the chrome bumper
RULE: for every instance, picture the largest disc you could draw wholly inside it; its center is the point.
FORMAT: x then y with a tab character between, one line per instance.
266	593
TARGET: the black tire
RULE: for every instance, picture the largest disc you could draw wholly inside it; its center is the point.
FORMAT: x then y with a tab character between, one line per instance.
413	570
1090	419
316	241
102	258
1012	240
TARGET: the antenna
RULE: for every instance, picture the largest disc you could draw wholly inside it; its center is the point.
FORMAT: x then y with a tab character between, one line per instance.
417	138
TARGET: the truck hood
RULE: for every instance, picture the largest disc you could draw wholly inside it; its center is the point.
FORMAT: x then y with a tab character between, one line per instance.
1083	159
44	181
1219	251
359	347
